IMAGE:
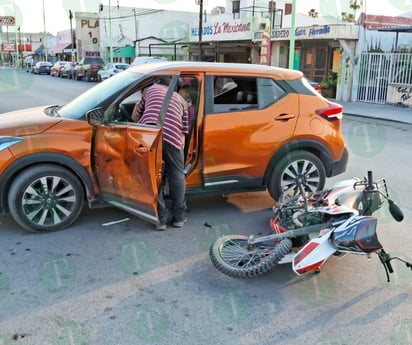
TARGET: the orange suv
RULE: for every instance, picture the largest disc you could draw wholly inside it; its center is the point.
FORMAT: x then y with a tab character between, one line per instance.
255	128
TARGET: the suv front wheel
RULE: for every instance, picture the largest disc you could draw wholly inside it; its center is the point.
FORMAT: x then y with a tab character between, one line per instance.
45	198
295	169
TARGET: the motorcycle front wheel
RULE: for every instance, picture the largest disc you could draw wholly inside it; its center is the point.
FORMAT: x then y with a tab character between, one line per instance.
233	256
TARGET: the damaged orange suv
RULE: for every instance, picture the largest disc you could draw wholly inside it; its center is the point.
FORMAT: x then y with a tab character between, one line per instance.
255	128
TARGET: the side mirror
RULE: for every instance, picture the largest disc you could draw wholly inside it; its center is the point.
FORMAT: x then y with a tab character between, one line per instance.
95	116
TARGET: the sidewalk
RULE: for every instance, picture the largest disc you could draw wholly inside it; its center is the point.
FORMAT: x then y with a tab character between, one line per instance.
378	111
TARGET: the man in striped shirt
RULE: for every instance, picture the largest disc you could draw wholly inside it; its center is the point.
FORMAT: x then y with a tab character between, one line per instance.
175	128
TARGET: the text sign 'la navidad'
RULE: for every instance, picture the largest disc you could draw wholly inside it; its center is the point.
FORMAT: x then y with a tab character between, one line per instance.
7	20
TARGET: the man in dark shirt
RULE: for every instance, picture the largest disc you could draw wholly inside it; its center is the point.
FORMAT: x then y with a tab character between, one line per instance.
175	129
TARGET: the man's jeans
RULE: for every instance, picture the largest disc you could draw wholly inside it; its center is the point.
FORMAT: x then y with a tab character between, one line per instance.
174	167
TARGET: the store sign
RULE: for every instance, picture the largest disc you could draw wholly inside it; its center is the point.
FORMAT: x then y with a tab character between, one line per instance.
7	20
87	33
264	57
303	33
225	30
8	47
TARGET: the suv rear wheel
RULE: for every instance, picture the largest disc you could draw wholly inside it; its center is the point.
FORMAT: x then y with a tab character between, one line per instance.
295	169
45	198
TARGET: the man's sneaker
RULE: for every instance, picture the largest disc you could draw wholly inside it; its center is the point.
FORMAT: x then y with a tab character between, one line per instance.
179	223
161	227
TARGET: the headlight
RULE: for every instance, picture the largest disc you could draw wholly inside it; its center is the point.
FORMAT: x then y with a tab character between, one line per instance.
6	142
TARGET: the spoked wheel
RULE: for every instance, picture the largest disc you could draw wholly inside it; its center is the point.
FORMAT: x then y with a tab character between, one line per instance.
45	198
233	256
296	171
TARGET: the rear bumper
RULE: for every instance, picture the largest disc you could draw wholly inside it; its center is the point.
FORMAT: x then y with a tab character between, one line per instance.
339	166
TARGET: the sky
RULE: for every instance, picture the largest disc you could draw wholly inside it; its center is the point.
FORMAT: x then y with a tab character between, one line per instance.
55	17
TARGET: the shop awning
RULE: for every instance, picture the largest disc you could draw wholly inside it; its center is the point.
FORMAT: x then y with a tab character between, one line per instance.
58	48
124	52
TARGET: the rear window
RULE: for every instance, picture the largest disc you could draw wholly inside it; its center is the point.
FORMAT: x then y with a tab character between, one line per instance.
243	93
93	61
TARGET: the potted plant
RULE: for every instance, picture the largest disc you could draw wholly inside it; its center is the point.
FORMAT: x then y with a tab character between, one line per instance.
328	85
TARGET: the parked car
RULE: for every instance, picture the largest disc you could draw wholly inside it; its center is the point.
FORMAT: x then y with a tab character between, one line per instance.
110	69
147	59
87	68
268	130
67	70
315	85
56	68
42	67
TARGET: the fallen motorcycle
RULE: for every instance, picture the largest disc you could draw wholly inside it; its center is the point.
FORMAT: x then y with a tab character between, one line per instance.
308	228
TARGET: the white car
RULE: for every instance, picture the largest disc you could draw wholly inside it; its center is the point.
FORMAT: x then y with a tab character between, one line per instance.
110	69
147	59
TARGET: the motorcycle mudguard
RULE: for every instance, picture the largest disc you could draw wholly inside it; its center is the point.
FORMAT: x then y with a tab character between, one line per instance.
313	255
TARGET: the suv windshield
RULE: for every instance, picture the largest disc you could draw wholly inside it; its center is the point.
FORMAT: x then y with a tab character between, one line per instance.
100	95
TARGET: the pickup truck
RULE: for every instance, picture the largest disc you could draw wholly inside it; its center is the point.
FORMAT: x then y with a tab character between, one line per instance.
87	68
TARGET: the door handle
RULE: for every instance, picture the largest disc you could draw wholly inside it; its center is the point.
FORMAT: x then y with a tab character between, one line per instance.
284	117
141	149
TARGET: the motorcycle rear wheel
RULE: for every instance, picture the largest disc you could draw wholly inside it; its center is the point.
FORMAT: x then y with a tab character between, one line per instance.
231	256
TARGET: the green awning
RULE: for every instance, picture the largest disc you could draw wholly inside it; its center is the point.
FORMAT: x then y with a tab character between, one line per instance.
124	52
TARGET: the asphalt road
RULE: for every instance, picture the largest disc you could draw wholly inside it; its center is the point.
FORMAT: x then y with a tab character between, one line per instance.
124	284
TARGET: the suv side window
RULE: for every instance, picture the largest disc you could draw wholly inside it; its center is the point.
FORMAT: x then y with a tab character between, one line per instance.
233	94
269	92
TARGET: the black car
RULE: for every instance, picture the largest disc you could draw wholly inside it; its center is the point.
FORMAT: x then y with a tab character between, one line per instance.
42	67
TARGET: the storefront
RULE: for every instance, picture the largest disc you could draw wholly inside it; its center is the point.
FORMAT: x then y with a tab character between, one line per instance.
224	39
318	49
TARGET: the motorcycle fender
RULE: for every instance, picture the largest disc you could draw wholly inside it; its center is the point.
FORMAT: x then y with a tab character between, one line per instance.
313	255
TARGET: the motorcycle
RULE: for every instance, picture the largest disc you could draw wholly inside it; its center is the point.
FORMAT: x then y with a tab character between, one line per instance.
307	229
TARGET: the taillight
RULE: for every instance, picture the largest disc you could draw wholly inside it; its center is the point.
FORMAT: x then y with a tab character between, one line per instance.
333	110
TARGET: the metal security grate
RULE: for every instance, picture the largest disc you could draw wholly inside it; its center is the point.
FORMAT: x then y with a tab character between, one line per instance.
377	70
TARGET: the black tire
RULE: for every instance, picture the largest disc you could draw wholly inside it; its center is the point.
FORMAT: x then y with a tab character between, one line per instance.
295	169
230	255
87	77
45	198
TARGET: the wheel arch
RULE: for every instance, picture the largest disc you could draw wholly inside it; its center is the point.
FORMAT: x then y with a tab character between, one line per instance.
308	145
38	159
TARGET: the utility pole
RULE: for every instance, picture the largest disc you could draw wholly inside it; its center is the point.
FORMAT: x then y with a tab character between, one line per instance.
110	33
44	35
71	35
292	36
200	29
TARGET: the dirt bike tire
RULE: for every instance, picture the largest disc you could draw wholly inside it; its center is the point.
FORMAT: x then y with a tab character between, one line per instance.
231	256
